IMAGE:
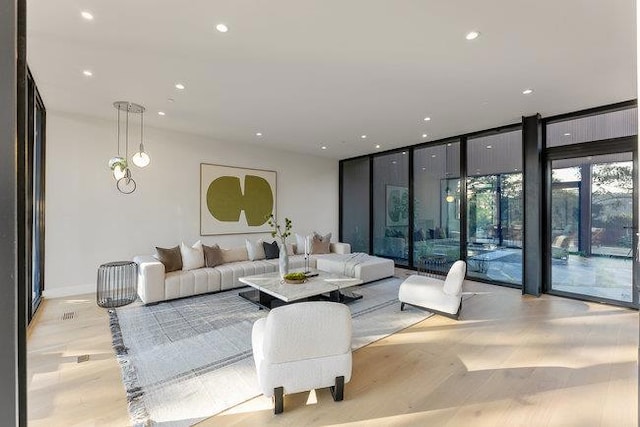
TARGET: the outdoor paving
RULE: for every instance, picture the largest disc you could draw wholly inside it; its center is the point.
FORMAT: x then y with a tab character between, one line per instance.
598	276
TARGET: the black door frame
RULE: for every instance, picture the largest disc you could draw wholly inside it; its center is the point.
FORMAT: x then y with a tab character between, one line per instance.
594	148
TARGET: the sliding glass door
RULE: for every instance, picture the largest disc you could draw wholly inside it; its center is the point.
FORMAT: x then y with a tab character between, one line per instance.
591	231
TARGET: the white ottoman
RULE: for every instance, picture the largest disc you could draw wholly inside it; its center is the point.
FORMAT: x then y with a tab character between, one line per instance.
372	268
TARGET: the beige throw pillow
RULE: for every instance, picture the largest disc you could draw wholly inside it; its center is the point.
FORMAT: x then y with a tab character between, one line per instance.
234	254
320	244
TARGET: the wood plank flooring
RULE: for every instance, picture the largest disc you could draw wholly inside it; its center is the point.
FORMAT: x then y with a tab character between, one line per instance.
510	361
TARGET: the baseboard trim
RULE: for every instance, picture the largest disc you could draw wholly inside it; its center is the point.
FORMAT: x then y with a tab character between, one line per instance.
67	291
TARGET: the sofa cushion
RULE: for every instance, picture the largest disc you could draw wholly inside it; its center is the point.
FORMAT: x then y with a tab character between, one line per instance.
320	244
255	250
192	257
234	255
212	255
171	258
271	250
300	242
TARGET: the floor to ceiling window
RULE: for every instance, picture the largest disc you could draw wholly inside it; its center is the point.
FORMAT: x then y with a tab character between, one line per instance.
428	205
391	206
592	206
436	217
354	218
495	216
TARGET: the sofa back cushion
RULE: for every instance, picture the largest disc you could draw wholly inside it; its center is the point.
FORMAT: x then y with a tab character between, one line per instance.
234	254
170	257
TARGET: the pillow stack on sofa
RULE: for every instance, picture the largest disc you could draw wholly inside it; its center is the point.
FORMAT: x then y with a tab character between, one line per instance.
184	271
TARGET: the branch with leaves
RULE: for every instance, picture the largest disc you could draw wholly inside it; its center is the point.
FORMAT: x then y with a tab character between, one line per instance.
277	230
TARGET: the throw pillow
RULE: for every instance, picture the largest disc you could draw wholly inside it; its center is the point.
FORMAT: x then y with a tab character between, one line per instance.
271	250
290	250
192	257
254	250
234	254
320	244
171	258
212	255
300	239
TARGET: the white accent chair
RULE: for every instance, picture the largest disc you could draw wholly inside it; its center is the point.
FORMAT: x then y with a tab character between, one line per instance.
301	347
440	296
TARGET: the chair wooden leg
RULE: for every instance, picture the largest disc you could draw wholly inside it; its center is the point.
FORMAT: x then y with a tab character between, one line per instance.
337	391
401	306
278	398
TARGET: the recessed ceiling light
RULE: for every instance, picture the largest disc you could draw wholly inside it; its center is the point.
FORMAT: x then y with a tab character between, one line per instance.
87	73
516	169
324	147
449	145
472	35
489	147
393	162
171	100
433	155
377	145
161	113
179	86
87	15
258	134
424	135
567	134
527	91
222	28
424	169
363	136
404	152
426	119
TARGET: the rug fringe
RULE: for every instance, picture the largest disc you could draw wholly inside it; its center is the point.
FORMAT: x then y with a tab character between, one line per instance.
137	410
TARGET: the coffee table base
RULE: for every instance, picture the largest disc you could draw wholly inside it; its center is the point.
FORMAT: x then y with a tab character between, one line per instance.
265	301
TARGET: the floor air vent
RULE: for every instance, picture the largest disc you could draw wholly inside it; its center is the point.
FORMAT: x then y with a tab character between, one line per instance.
83	358
69	315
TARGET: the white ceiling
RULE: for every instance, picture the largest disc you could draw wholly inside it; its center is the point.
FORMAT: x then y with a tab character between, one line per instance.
323	72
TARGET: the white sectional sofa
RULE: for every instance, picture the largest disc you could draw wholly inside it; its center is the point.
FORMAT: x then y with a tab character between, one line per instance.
155	286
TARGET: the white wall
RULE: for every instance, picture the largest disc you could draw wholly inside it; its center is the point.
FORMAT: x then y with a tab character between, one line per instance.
88	222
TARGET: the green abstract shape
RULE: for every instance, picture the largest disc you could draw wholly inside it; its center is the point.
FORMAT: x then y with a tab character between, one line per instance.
225	200
258	200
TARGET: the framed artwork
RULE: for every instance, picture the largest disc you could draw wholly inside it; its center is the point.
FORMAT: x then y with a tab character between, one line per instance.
235	200
397	206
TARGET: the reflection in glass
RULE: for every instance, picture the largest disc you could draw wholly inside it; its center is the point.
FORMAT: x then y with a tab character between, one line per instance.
436	222
495	216
391	207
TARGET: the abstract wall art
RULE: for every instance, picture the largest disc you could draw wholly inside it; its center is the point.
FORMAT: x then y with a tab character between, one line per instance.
235	200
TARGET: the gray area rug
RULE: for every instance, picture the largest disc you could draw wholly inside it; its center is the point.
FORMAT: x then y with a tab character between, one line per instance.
185	360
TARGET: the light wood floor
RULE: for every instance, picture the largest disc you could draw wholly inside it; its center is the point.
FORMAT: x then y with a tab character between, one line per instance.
510	361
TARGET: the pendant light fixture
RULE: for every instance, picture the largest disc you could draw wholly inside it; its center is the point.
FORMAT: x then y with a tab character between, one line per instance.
449	197
141	158
118	164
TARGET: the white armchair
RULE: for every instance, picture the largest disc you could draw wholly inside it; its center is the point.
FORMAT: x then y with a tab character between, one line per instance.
440	296
301	347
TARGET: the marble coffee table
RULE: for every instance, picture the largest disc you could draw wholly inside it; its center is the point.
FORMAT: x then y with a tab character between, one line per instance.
270	290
